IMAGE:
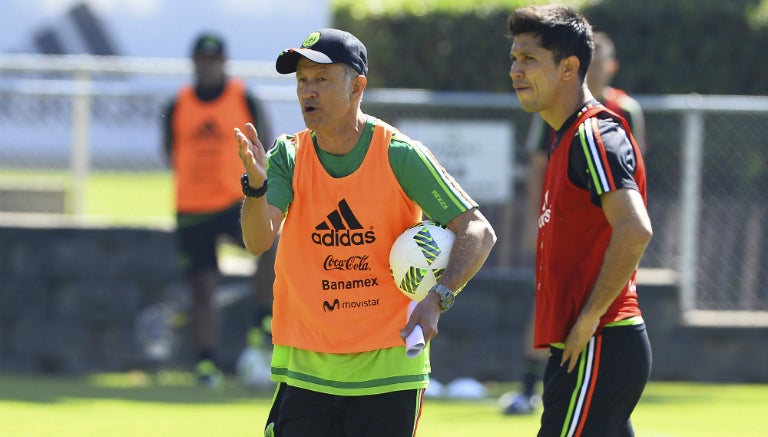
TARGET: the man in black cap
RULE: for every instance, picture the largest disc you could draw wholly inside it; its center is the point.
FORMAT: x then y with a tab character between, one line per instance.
197	143
343	190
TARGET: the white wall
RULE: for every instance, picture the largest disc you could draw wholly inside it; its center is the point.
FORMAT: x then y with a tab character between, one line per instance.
255	29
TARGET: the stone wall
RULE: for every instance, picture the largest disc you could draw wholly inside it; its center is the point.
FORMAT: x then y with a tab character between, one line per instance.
70	295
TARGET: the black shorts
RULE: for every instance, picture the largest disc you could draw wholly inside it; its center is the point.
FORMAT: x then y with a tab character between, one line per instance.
597	398
298	412
198	234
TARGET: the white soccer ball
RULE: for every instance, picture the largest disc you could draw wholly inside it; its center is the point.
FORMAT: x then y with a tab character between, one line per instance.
419	256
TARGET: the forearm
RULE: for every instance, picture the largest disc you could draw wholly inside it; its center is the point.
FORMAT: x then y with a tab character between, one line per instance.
622	257
474	241
256	222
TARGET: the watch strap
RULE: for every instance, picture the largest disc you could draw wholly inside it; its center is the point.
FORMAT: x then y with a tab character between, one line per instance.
447	296
249	191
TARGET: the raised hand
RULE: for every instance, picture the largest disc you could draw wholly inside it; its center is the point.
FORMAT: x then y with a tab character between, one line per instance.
252	154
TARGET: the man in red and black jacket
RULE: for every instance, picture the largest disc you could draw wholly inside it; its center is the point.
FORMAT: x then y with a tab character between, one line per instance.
593	228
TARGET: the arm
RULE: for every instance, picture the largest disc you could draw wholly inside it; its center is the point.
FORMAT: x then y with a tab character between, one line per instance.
534	182
537	144
474	240
260	221
168	132
631	231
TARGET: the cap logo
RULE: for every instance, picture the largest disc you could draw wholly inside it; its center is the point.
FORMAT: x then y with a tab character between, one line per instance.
210	43
311	40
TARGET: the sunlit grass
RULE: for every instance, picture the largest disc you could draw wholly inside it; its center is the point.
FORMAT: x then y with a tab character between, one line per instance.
111	198
138	404
130	198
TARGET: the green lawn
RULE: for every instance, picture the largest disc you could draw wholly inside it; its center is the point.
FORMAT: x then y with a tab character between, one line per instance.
133	405
118	198
130	198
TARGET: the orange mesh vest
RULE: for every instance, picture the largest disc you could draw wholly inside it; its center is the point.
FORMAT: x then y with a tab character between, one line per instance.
333	290
206	167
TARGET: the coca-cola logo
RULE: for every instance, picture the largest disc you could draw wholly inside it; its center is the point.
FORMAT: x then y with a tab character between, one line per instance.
356	262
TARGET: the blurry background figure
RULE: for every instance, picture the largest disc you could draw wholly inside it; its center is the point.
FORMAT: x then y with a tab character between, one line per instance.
540	137
198	142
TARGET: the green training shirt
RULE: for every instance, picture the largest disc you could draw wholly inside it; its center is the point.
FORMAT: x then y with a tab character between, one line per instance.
425	181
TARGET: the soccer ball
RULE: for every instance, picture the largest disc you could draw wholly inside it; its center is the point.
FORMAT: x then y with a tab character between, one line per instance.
419	256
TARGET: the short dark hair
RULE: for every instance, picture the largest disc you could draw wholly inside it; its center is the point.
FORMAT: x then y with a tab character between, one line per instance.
560	29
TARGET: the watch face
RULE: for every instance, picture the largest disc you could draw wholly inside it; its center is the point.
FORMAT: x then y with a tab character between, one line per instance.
446	298
447	302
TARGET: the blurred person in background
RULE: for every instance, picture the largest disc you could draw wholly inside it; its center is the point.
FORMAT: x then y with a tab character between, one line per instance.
197	142
541	136
343	190
593	228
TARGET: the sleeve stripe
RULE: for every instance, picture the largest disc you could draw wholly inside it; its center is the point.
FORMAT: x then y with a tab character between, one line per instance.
603	155
458	196
590	164
592	155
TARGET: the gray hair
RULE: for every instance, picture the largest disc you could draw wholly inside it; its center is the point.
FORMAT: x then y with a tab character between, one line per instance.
349	75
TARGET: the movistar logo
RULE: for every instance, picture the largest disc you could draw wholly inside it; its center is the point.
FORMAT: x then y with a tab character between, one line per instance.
328	306
342	228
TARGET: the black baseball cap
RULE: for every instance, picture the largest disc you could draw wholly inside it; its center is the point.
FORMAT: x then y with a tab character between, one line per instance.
326	46
209	44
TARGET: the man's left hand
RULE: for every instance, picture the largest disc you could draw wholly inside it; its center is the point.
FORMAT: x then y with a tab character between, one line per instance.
577	339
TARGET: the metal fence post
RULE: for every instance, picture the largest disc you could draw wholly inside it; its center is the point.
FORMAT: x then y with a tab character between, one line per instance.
690	202
80	154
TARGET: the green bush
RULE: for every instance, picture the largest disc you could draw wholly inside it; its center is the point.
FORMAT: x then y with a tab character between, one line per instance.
704	46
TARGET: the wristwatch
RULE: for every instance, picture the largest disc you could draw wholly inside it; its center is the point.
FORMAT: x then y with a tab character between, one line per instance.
447	296
250	191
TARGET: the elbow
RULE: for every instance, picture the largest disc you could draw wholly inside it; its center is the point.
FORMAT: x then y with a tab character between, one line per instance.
648	234
639	236
487	239
485	233
490	237
644	231
256	246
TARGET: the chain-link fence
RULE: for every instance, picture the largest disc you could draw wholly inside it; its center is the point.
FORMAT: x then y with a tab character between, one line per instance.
707	160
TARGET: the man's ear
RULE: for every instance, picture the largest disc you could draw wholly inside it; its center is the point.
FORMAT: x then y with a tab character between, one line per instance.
570	67
358	85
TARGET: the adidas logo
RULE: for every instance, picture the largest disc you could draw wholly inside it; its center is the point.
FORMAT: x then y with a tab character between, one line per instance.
341	228
209	129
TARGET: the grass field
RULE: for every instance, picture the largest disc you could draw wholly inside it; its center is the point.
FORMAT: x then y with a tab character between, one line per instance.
118	198
133	405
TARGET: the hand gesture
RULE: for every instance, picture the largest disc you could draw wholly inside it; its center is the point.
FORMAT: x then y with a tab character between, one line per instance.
252	153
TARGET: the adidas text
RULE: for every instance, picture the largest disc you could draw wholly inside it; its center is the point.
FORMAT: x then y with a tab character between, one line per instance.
343	238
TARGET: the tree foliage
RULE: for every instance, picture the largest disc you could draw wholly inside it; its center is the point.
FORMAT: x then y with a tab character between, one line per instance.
665	46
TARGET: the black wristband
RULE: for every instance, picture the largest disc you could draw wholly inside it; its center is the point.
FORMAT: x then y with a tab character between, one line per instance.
250	191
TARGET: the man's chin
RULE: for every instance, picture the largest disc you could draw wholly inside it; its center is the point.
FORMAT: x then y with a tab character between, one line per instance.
309	121
528	106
